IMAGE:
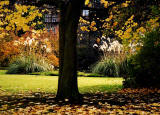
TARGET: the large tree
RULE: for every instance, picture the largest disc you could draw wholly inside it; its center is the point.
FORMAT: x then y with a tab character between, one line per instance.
67	83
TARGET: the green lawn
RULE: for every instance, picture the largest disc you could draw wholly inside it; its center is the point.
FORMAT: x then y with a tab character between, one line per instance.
36	83
2	72
22	83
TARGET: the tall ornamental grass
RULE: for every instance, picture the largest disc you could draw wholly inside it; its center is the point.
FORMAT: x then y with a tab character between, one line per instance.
24	64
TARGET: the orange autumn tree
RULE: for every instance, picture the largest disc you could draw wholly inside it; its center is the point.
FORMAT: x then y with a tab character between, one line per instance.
8	49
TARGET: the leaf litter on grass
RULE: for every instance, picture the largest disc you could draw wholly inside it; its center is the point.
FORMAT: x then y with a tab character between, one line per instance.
126	101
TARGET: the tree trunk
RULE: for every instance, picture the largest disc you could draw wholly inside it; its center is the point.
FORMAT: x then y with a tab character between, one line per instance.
69	19
11	4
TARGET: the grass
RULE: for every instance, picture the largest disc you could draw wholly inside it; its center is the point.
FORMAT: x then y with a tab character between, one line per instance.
50	73
55	73
25	83
2	72
89	74
34	83
96	84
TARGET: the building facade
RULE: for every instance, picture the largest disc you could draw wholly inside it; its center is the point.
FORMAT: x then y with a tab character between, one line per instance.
52	19
51	16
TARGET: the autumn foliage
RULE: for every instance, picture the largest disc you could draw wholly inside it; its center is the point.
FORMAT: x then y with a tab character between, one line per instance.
22	32
20	19
8	48
44	44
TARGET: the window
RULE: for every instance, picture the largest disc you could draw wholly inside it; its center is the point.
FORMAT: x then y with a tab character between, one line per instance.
85	13
54	19
50	18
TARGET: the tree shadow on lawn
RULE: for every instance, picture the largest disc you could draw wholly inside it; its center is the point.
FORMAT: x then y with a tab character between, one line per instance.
47	103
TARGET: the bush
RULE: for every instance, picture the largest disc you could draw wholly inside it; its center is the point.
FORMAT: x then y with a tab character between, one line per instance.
7	48
112	65
124	66
24	64
86	57
144	66
44	43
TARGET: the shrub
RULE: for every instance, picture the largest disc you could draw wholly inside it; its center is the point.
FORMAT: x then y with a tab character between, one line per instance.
124	66
86	57
107	67
40	43
53	60
112	64
144	66
8	49
24	64
44	44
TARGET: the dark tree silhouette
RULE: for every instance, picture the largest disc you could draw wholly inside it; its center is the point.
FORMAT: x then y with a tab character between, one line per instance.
67	83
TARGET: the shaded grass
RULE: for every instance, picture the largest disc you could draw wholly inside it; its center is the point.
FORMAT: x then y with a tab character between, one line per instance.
50	73
55	73
48	84
89	74
3	68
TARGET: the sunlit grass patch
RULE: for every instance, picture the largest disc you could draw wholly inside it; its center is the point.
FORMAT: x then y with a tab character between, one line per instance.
2	72
99	84
33	83
25	83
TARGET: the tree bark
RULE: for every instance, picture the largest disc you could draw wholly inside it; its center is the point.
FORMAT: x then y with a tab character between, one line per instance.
69	19
11	4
